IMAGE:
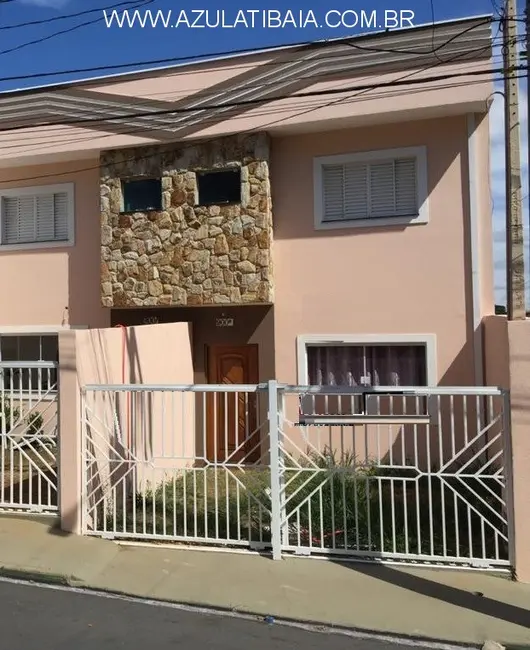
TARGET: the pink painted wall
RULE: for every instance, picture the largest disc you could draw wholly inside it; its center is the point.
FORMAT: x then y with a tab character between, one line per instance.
148	354
508	366
382	280
37	285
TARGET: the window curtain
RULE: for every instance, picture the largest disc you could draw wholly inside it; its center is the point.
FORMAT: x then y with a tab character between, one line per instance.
378	365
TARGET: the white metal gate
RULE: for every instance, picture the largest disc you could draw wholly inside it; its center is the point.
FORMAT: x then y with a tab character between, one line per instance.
28	436
397	474
404	475
151	471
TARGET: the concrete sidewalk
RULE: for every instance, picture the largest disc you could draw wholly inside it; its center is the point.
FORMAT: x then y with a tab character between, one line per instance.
451	606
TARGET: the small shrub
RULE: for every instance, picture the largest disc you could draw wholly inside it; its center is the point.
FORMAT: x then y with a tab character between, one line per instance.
35	423
12	418
8	414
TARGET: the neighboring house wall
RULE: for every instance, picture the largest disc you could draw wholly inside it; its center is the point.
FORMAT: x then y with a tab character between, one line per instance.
54	284
386	284
183	248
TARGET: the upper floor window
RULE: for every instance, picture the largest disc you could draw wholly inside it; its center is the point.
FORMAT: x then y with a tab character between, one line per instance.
219	187
32	217
142	195
379	188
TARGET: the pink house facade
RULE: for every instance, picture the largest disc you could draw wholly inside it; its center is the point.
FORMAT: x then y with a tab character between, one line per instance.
314	216
297	206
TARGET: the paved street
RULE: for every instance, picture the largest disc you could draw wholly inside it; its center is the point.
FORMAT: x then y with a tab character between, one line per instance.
35	618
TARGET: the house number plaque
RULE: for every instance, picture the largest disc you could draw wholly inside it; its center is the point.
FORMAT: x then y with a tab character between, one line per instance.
224	322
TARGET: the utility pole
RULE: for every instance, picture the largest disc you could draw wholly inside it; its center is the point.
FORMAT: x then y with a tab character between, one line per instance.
527	62
514	222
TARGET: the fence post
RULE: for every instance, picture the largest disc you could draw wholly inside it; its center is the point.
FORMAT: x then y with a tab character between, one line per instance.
508	475
274	444
69	413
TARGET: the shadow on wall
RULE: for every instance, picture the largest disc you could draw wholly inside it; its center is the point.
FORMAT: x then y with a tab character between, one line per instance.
124	425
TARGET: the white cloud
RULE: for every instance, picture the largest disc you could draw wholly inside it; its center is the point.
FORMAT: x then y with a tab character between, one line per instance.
53	4
498	190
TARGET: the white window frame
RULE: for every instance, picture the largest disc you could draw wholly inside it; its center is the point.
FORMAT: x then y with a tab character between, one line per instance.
37	330
419	153
22	331
320	340
69	188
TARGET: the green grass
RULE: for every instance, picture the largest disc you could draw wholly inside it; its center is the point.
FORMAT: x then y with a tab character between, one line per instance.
338	505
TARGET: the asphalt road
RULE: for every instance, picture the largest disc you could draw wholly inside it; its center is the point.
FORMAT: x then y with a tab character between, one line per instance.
36	618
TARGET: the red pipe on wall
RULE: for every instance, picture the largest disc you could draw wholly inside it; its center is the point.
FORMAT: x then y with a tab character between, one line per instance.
128	401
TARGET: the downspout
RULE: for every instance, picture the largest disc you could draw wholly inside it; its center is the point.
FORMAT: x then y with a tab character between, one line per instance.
474	216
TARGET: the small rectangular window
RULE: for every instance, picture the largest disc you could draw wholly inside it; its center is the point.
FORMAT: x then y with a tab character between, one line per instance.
219	187
28	349
378	188
142	195
366	366
32	216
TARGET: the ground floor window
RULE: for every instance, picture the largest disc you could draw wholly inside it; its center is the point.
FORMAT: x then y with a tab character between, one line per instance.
336	362
368	365
27	362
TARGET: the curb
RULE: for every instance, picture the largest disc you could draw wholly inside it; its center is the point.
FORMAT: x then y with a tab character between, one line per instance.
71	582
38	577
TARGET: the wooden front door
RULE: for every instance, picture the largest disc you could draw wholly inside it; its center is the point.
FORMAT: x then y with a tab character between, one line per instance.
232	417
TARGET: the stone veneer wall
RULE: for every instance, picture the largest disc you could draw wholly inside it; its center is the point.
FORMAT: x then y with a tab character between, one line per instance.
187	254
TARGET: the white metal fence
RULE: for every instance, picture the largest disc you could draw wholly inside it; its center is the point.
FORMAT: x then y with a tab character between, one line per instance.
409	474
28	436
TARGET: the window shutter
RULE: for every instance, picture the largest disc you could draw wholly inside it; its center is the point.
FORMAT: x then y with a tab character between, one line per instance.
370	190
19	220
32	219
355	191
333	191
61	216
406	187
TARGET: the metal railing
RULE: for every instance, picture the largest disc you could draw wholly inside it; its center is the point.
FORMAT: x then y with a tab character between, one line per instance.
28	436
388	474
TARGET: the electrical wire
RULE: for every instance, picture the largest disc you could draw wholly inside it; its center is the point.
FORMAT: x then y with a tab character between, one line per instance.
181	72
314	93
135	158
42	39
232	53
43	142
77	14
256	102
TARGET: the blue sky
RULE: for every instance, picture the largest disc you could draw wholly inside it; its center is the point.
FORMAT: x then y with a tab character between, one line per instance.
31	49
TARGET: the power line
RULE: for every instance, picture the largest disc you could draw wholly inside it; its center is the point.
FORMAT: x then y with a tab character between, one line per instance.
360	90
228	53
48	140
254	102
42	39
180	147
188	72
53	19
